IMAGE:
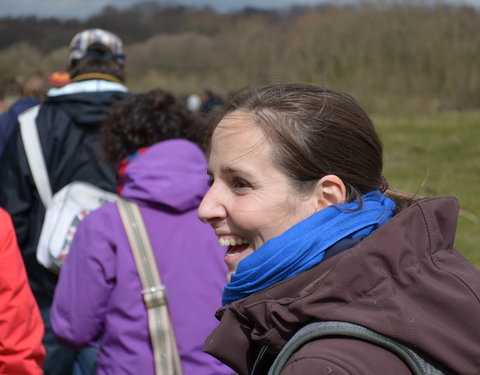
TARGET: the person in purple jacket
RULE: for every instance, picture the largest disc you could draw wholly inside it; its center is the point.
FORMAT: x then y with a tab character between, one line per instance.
154	139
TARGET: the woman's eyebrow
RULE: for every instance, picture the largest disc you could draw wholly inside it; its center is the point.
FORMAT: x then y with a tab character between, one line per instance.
230	169
225	170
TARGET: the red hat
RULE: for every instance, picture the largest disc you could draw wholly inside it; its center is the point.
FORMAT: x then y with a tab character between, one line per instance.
58	79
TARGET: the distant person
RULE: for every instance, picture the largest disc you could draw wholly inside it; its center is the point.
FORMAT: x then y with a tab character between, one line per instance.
313	233
9	92
33	90
35	85
210	102
155	141
68	125
21	326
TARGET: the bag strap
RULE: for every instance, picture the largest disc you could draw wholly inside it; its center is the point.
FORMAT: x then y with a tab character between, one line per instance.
165	350
312	331
33	150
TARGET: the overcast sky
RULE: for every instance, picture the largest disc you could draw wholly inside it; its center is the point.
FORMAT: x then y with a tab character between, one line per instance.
85	8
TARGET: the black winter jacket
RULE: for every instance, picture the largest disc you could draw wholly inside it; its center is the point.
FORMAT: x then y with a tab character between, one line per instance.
68	126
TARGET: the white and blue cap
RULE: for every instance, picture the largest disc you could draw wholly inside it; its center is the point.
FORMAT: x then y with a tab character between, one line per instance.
84	39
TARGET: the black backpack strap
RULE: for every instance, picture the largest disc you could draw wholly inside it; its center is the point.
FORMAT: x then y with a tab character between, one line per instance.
313	331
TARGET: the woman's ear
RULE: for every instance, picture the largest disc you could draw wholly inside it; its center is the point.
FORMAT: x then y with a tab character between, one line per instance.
330	190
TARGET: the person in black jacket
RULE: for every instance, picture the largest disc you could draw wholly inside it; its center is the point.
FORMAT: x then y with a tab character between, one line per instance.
68	126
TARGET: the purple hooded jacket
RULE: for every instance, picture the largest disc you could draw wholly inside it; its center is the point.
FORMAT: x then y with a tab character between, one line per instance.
98	293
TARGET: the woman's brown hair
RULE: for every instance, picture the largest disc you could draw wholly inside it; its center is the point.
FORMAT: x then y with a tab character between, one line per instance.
316	131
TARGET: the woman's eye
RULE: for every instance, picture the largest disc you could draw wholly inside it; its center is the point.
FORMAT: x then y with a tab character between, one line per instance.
210	181
240	183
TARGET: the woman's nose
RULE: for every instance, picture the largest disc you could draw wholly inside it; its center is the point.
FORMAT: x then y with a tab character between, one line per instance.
211	210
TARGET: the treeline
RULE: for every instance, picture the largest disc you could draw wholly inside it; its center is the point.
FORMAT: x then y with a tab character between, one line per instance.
407	56
134	24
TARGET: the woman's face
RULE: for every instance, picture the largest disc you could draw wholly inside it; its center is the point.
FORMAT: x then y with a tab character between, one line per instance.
250	200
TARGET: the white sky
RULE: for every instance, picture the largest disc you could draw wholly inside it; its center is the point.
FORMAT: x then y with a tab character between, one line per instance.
85	8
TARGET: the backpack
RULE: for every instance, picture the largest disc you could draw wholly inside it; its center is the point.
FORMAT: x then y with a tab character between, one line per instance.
417	363
65	209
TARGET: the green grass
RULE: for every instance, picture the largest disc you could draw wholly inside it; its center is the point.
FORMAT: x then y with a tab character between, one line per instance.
435	155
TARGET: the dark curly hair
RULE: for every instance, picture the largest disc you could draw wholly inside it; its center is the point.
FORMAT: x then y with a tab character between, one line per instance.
144	119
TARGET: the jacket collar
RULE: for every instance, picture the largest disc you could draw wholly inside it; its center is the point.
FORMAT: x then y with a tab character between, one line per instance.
88	86
88	76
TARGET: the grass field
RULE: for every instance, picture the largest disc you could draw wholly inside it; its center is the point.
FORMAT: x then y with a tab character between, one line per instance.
434	155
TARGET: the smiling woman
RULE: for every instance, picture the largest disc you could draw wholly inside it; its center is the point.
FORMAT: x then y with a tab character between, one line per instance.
314	233
249	201
259	191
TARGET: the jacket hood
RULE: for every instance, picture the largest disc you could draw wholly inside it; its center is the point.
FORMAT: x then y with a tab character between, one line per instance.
170	173
405	281
86	102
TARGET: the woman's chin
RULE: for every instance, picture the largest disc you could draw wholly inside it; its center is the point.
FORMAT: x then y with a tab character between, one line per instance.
232	261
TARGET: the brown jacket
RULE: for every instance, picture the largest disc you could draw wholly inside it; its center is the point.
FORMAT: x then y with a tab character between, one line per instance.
405	281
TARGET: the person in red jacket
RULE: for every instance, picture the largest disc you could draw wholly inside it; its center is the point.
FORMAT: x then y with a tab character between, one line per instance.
21	326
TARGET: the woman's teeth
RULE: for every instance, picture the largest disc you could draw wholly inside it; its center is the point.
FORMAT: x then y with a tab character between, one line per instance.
231	241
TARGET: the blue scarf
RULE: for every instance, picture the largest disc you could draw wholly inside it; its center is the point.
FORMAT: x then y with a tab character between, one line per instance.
302	246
